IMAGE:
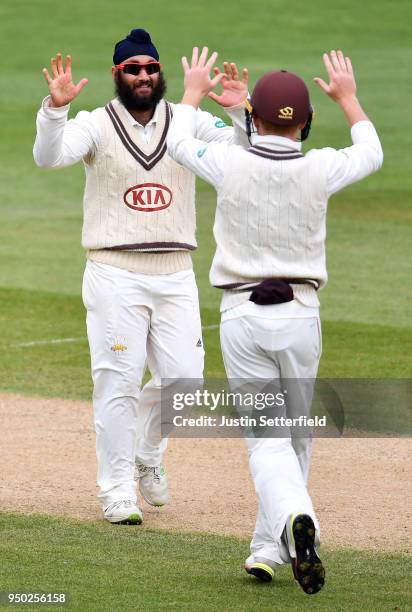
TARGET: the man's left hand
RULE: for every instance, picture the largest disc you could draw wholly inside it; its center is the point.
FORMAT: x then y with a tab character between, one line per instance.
234	90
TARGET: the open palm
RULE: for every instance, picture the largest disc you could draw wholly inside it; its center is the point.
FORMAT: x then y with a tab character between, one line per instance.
61	86
341	78
234	90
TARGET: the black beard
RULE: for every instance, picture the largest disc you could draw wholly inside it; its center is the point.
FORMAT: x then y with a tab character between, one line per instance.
134	102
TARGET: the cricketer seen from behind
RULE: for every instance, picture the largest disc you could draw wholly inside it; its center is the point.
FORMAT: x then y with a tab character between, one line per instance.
270	230
139	288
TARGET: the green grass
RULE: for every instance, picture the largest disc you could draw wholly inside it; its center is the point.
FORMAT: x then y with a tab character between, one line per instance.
105	567
366	307
351	350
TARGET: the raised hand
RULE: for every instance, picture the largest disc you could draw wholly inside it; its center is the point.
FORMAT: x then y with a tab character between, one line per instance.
61	86
197	81
342	86
234	90
342	81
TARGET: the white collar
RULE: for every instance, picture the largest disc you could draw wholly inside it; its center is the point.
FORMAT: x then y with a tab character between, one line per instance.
280	142
153	120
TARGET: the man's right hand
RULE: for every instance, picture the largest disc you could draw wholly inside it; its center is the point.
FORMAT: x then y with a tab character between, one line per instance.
61	86
341	78
342	86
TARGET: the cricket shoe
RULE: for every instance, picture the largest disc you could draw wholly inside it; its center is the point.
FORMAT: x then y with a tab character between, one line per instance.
124	512
263	569
307	567
153	484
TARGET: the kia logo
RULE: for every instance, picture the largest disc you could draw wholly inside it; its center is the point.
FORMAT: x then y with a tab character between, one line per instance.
148	197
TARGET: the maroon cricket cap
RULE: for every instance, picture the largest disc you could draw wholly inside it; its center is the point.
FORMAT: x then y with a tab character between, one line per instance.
281	98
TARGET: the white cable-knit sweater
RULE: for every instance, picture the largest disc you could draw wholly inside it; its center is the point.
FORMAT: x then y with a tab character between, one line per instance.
271	210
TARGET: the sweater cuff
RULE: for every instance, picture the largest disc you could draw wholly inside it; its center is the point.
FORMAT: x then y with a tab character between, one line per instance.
54	112
237	115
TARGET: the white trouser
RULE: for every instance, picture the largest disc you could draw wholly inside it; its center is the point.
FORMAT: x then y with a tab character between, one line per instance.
270	348
133	320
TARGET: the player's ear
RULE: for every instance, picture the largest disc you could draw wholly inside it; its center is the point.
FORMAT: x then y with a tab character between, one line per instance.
113	71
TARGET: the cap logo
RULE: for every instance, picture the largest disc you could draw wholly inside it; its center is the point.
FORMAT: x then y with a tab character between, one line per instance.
286	113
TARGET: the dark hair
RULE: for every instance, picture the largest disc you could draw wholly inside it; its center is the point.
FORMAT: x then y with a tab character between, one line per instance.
274	128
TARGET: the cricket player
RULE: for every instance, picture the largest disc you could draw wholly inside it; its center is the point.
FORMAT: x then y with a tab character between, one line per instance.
139	287
270	229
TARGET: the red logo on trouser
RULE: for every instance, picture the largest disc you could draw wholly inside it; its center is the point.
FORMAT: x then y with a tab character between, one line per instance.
148	197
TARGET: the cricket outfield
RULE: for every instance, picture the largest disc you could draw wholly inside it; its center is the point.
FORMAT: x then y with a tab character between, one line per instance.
188	555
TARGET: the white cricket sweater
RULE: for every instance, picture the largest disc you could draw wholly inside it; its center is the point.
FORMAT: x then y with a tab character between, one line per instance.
270	223
137	199
270	220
